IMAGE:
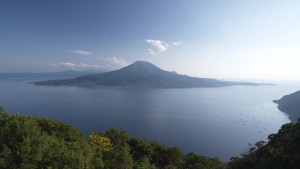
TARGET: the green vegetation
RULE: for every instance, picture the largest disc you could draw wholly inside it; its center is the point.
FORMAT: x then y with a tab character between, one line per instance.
28	142
282	151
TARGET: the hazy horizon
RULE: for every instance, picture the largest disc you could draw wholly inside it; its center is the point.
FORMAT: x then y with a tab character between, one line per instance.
220	39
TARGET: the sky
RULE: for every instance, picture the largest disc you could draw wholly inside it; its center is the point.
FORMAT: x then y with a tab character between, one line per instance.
203	38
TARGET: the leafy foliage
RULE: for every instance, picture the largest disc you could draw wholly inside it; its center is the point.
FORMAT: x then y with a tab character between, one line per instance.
31	142
102	142
192	160
28	142
282	151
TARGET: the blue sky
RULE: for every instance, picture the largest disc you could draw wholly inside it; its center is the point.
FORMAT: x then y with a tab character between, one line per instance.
219	39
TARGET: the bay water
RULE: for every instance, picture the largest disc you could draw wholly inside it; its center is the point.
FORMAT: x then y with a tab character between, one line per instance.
215	122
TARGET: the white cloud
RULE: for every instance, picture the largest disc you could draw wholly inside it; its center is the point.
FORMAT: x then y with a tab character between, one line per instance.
89	66
160	46
113	62
151	52
177	43
68	64
118	61
81	66
81	52
103	63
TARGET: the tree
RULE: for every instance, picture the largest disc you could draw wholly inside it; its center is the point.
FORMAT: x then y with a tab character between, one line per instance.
140	149
144	163
26	144
119	157
282	151
31	142
165	157
103	143
118	138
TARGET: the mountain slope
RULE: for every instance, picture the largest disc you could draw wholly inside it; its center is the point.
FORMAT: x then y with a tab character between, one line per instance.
290	104
142	74
44	76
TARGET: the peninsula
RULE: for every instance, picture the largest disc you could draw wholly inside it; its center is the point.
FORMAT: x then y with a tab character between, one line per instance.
290	104
143	75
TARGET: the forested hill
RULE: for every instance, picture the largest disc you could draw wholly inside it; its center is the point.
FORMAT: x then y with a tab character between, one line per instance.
28	142
281	152
290	104
142	74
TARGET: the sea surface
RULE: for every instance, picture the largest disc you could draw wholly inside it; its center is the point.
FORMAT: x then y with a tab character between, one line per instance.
215	122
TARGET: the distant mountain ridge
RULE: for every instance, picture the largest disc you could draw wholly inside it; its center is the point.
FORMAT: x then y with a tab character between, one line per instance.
142	74
290	104
44	75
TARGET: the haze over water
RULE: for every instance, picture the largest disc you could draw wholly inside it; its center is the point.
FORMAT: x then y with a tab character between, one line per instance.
218	39
211	121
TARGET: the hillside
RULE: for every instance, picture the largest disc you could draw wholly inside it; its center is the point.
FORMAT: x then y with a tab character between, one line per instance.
142	74
281	152
31	142
37	143
290	104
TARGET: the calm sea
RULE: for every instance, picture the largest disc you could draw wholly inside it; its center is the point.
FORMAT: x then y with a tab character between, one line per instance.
216	122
